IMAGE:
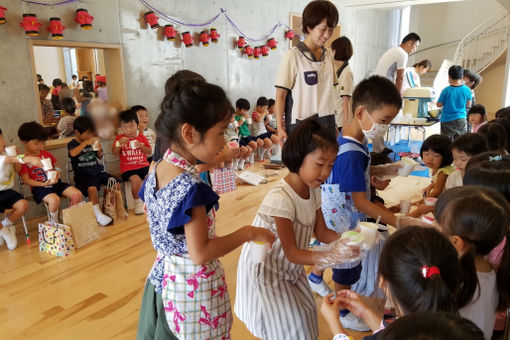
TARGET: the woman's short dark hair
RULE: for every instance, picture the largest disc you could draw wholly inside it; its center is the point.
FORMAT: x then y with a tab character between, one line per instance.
343	48
431	326
496	135
318	10
401	265
471	144
308	136
425	63
439	144
202	105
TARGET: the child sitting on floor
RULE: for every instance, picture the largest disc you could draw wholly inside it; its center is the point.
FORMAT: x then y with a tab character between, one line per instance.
132	148
89	175
9	198
463	148
44	188
259	129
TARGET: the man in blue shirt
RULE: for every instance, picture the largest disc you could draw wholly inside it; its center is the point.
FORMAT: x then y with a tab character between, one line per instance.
454	100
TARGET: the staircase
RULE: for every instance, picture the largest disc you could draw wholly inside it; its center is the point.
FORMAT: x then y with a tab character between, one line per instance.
486	43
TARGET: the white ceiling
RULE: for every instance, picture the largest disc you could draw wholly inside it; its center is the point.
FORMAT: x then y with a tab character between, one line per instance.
386	3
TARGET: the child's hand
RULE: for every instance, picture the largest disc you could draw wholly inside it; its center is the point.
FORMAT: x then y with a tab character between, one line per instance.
329	309
90	141
395	208
354	303
137	144
123	140
33	161
262	235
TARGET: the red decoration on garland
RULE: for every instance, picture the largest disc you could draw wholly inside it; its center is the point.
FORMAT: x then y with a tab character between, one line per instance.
289	34
2	15
214	35
152	19
257	52
56	28
241	43
187	39
204	38
170	32
248	51
271	43
84	18
30	25
264	50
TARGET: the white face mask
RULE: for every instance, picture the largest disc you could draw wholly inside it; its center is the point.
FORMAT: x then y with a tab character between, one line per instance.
377	130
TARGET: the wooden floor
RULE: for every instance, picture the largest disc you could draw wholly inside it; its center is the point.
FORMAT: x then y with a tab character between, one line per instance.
96	292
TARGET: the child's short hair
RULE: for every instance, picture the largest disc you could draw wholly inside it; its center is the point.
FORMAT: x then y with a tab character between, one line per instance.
308	136
432	325
455	72
411	37
270	102
83	124
503	113
439	144
496	135
43	87
56	82
380	158
489	169
243	104
316	11
69	105
128	116
202	105
74	76
136	108
401	265
480	216
343	48
471	144
32	131
374	93
262	101
479	109
506	124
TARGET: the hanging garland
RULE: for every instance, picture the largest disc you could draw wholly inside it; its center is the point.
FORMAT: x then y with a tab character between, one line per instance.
53	4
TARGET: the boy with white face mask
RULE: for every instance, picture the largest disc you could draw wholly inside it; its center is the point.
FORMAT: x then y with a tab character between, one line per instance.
346	193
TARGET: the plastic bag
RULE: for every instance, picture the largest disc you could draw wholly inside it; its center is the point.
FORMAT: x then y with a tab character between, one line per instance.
385	171
338	252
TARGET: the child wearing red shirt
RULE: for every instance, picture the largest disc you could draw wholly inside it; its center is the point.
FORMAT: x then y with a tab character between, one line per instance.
44	189
132	148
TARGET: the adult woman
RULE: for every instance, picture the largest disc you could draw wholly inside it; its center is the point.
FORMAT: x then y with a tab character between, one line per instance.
412	74
342	52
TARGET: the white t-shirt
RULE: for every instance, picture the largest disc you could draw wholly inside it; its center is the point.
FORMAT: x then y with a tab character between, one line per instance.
345	87
309	81
6	174
454	180
483	311
392	60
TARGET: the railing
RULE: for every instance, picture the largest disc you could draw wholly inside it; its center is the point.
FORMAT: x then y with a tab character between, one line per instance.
485	43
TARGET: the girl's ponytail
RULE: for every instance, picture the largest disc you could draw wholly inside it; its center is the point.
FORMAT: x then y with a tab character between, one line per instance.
503	275
468	278
436	296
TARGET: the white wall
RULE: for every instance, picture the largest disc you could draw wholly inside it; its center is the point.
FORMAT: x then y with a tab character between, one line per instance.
49	63
445	22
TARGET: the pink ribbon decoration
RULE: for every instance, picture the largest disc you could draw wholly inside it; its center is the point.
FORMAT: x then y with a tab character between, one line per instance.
221	289
193	280
207	320
177	315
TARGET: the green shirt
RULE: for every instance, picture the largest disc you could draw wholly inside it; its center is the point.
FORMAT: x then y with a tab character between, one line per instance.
244	130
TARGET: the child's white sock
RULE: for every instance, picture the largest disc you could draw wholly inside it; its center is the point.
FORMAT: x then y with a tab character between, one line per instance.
6	221
235	163
54	216
252	157
241	164
138	201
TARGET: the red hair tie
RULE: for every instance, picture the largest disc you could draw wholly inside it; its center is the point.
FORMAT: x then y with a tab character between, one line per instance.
427	272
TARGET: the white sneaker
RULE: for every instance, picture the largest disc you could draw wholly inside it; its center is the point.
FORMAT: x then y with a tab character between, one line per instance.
139	210
320	288
103	219
351	321
9	235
